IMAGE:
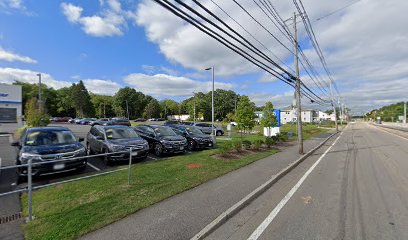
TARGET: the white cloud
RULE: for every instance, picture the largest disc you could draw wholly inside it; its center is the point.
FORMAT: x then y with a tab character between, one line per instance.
12	4
97	86
104	87
166	85
9	75
11	57
109	22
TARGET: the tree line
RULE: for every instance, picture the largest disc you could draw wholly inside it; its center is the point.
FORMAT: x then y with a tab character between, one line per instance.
388	113
77	101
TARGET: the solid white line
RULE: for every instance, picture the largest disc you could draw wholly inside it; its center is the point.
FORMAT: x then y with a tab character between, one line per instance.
92	166
379	128
261	228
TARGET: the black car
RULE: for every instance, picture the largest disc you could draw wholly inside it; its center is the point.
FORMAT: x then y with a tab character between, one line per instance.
42	144
100	121
118	121
196	139
169	123
162	139
110	139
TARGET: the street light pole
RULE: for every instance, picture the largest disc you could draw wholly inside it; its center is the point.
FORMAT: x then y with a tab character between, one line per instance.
127	109
298	102
39	92
212	103
194	107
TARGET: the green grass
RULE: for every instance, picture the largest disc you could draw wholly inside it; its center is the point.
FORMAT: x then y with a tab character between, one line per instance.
73	209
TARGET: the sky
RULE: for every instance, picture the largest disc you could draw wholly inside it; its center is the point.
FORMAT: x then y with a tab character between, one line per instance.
111	44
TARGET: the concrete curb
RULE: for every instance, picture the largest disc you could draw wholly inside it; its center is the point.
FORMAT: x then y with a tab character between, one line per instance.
223	217
391	127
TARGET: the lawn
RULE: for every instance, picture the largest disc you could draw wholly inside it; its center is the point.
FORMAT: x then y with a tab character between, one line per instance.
70	210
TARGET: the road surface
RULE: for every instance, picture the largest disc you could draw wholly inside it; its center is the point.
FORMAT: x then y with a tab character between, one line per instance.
357	190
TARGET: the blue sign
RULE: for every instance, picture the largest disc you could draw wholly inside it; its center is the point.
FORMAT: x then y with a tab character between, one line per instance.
276	112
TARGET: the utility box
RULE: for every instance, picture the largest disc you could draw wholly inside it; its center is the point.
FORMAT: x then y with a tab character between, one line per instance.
229	127
271	131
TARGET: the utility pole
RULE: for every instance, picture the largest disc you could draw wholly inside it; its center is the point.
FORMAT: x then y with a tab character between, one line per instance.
298	103
405	112
194	107
334	108
39	93
127	109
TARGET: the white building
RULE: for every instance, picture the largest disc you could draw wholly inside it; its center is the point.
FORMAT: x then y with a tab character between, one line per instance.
289	115
10	104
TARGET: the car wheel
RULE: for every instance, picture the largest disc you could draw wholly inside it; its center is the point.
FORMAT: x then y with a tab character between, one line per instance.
158	149
106	158
218	133
191	145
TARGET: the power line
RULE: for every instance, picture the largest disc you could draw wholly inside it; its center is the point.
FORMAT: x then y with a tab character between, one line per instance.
336	11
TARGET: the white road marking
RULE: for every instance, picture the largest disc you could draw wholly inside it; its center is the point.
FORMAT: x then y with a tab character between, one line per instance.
92	166
261	228
379	128
152	158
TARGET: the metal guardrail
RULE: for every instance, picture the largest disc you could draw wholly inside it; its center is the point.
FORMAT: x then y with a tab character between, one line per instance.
29	189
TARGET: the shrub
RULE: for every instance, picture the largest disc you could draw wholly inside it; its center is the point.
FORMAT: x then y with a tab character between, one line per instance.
257	144
246	144
269	141
237	146
282	137
35	118
225	147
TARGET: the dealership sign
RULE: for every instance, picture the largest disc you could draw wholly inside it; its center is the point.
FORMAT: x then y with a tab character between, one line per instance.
3	94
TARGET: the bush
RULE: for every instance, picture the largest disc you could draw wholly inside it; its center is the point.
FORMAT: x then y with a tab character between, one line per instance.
257	144
282	137
269	141
246	144
225	147
237	146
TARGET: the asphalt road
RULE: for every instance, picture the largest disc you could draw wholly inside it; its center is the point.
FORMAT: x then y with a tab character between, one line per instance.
358	190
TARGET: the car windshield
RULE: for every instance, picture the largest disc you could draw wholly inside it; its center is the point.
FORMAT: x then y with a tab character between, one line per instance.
194	131
49	137
164	131
120	133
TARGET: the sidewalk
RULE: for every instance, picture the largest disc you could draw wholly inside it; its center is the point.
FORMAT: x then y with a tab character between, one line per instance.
185	214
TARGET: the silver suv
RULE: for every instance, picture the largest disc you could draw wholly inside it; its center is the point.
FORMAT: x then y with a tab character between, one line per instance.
206	128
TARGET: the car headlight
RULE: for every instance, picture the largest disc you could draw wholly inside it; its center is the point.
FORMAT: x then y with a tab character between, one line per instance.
146	146
25	156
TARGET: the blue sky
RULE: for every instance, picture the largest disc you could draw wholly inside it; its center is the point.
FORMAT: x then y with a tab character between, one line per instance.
111	44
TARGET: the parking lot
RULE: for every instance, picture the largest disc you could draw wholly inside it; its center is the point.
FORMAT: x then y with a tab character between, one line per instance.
8	177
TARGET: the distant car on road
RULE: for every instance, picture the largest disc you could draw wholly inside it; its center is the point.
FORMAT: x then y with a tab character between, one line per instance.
140	120
162	139
196	139
110	139
86	121
100	121
118	121
206	128
42	144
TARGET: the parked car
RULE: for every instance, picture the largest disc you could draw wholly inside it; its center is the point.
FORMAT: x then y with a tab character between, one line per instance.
110	139
160	119
187	123
140	120
100	121
234	124
169	123
77	120
118	121
42	144
86	121
206	128
162	139
61	119
196	139
152	119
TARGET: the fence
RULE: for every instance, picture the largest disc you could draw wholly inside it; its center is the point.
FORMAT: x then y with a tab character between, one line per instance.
29	189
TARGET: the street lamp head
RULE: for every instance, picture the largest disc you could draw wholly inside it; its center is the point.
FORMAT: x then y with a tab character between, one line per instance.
208	68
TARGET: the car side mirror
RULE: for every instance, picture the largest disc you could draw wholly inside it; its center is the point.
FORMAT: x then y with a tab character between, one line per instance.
15	144
81	139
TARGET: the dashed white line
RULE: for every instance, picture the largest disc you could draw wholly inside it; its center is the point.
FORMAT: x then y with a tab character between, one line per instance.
261	228
92	166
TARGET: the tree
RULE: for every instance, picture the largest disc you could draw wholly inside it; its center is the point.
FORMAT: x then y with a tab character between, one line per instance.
35	118
81	100
137	102
103	105
245	113
168	107
152	109
268	118
224	102
64	103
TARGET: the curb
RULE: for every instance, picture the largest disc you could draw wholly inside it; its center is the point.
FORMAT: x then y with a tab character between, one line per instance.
223	217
